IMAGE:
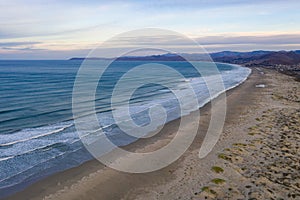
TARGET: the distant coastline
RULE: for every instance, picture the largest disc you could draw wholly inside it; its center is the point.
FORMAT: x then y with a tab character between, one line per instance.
287	62
253	57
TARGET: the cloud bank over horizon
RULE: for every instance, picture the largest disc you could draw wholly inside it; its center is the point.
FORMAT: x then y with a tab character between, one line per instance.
55	29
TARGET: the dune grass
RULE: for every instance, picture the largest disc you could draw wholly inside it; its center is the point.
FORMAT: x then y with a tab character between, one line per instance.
217	169
218	181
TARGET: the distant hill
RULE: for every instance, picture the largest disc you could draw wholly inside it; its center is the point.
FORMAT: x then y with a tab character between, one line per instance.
79	58
287	62
163	57
247	58
232	54
260	57
282	57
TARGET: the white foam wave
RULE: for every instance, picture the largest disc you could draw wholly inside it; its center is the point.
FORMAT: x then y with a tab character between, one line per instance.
35	136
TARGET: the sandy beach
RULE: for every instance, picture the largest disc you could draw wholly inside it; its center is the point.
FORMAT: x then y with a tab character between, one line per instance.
257	156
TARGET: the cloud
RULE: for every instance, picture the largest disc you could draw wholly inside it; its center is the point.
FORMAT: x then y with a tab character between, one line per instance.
176	40
23	49
200	4
20	46
267	39
64	26
58	50
16	44
39	54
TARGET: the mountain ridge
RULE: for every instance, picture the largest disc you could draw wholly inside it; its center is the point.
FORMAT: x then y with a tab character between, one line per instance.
248	58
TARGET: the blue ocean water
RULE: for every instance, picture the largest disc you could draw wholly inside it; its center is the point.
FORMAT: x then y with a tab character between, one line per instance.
37	133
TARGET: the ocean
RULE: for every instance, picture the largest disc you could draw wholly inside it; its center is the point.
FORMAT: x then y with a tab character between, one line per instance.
37	132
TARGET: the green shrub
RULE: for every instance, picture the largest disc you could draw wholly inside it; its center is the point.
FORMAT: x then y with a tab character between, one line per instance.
217	169
218	181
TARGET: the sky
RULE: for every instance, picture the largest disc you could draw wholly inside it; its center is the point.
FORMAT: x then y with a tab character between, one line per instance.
57	29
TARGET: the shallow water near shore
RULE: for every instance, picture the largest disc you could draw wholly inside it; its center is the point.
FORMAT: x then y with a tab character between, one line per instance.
37	133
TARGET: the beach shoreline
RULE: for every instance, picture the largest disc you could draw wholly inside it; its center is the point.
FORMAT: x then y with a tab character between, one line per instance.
71	176
183	178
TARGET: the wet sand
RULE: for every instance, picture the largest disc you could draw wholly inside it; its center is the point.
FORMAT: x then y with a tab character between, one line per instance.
260	122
